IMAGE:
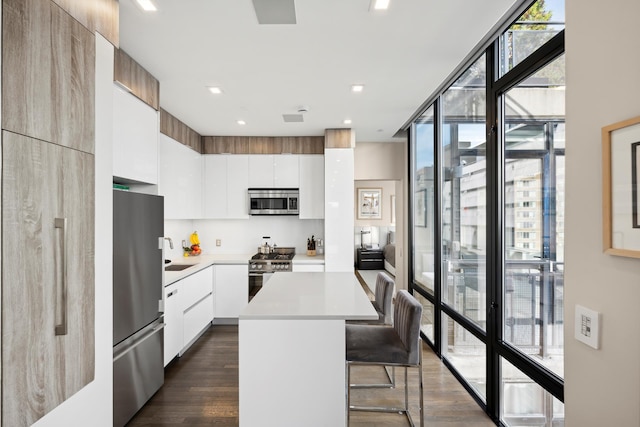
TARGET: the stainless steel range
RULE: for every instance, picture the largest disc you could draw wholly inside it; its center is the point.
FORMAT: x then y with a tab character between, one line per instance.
262	266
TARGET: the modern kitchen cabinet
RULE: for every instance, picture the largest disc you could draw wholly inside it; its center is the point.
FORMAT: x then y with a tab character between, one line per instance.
48	74
197	303
188	310
48	282
273	171
173	328
311	180
231	289
179	179
135	138
225	183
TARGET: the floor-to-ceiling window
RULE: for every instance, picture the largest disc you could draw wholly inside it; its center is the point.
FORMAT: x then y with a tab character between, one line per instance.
487	165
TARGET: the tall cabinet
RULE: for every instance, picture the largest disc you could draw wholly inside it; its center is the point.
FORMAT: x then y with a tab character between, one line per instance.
48	122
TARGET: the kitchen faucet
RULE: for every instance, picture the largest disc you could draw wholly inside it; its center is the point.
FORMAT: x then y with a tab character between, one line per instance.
170	242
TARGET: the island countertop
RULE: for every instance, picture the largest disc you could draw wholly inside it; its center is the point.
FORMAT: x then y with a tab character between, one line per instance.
307	295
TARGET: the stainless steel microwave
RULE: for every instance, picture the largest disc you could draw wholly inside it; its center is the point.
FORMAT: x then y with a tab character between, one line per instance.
273	201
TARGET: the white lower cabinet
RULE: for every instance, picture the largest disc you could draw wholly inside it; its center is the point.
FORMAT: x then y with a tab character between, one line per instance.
197	305
231	289
197	318
188	310
173	322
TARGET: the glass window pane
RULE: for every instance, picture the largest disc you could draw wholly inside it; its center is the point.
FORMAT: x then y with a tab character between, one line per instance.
428	311
542	21
423	202
525	403
466	353
534	222
464	218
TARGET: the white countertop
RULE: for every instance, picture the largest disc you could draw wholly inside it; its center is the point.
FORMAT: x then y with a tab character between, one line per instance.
311	296
200	263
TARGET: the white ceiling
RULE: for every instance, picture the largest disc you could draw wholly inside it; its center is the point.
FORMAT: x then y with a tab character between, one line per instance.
401	56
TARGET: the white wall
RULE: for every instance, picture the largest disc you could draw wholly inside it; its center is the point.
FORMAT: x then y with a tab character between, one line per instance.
379	160
602	387
388	161
93	405
243	236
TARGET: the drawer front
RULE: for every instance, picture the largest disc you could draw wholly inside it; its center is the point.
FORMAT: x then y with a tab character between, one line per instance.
371	264
197	318
195	287
371	255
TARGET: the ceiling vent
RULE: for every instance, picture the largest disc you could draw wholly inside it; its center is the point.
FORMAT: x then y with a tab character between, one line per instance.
292	118
275	11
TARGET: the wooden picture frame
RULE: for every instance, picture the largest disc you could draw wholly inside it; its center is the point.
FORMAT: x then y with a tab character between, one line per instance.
369	203
620	188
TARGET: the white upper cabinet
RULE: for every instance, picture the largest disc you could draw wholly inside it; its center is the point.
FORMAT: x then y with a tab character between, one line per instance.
273	171
226	179
261	171
180	179
285	171
135	138
311	182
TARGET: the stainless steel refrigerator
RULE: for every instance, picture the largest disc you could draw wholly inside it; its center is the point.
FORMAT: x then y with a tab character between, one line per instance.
138	265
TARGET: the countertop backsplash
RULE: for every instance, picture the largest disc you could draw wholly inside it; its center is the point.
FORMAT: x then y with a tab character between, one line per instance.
242	236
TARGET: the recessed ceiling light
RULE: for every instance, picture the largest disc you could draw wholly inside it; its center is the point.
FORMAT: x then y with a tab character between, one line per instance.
357	88
380	4
147	5
215	90
241	122
347	121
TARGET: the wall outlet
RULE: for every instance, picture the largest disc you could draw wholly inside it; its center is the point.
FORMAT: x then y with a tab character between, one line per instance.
218	242
587	326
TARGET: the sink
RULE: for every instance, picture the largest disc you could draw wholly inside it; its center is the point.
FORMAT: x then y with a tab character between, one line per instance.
177	267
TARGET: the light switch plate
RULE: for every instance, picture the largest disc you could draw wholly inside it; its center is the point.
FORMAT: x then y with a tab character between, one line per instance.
587	326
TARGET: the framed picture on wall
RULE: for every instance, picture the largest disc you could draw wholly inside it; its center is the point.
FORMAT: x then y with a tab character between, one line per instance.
369	203
621	188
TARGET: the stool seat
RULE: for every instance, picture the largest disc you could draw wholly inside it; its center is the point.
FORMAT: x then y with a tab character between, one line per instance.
375	344
397	345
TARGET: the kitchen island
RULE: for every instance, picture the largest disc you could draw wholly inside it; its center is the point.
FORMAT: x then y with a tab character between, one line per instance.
292	349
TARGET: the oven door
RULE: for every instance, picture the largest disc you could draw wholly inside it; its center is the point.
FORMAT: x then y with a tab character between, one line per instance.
256	281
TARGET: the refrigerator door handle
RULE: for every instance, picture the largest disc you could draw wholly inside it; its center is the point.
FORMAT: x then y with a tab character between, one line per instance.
128	348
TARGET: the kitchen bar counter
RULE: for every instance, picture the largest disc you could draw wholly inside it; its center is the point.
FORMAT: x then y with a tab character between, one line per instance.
311	296
292	349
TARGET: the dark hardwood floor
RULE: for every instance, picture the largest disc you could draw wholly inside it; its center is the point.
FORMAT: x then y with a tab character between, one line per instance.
201	388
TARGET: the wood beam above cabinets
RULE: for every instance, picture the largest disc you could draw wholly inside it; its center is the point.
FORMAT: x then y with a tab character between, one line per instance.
174	128
136	79
263	144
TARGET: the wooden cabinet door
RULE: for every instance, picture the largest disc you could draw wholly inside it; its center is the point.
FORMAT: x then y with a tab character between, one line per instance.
48	74
43	365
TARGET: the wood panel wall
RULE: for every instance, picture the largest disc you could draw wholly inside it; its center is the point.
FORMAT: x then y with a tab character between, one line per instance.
339	138
48	74
263	145
174	128
100	16
135	78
